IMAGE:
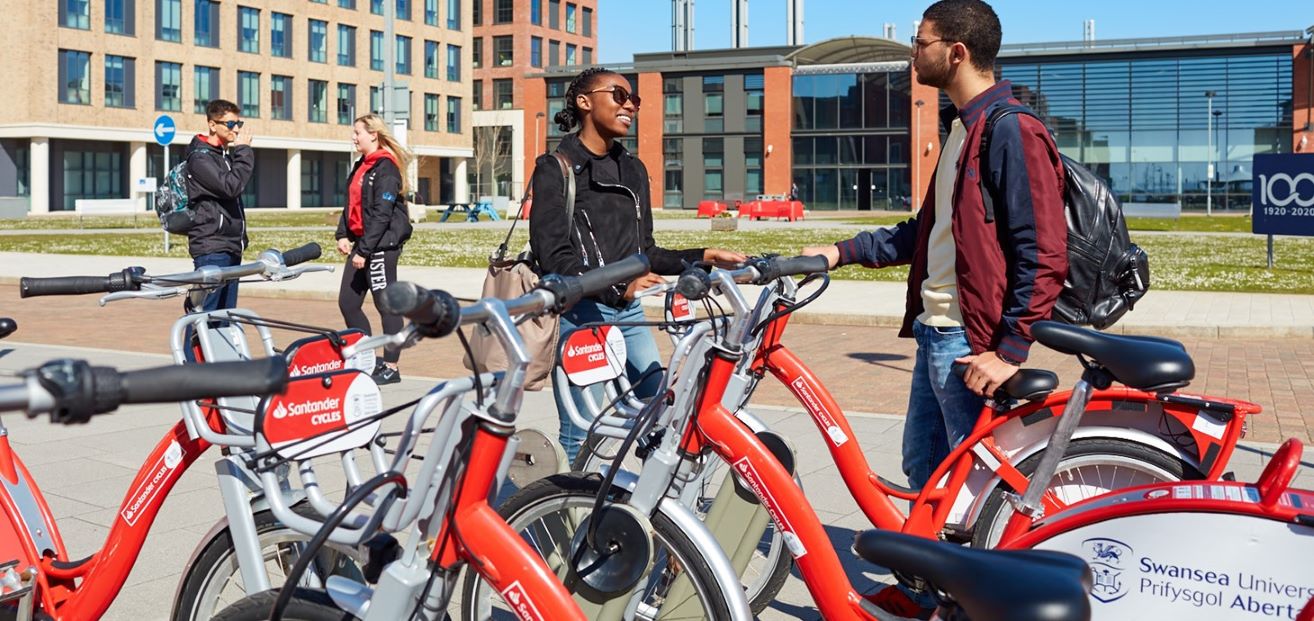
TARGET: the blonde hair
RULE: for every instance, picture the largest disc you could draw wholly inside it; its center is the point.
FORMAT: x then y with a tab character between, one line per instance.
375	125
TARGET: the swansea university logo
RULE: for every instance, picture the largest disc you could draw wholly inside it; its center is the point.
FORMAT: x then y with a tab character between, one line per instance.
1107	559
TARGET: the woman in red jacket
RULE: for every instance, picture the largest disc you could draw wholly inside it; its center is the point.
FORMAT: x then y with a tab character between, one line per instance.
373	228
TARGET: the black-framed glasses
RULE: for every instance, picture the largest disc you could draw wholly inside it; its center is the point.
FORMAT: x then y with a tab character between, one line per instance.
231	124
919	43
619	94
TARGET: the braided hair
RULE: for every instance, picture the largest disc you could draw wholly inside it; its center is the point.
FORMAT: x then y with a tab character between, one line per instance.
571	116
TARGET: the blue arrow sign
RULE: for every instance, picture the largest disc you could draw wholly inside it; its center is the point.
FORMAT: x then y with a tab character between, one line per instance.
164	129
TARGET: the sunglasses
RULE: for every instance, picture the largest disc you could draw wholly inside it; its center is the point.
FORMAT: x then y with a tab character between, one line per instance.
231	124
619	94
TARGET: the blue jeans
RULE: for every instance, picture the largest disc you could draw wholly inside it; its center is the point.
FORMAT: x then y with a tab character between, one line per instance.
217	299
641	357
941	409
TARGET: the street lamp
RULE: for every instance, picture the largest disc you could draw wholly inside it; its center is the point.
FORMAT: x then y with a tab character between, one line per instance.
1209	155
1222	153
916	153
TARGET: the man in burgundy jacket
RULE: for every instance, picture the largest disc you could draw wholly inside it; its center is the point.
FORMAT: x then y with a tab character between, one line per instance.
978	281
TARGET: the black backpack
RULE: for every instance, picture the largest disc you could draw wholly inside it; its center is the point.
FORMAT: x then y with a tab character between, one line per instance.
1107	273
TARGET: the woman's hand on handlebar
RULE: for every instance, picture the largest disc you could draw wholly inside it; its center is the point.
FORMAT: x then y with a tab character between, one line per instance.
344	246
724	258
830	251
643	282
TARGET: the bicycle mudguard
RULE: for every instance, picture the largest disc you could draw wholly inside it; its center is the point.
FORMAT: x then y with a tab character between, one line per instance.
1198	550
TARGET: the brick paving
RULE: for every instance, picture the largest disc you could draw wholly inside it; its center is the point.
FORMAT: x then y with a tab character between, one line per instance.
867	368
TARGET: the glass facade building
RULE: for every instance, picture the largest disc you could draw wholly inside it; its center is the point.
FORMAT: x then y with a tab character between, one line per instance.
1151	123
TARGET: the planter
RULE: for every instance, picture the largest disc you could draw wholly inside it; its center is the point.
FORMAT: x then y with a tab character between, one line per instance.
725	224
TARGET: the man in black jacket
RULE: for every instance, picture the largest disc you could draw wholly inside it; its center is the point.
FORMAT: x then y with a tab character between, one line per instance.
219	165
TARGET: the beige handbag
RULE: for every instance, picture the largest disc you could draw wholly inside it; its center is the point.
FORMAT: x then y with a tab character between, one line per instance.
513	277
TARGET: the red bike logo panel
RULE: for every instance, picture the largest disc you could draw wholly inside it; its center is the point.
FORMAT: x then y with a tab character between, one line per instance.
594	355
311	418
318	354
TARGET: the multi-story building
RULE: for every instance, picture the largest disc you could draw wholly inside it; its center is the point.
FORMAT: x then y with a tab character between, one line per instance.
90	78
512	40
845	124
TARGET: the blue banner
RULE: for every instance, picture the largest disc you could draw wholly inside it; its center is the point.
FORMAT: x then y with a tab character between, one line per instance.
1283	194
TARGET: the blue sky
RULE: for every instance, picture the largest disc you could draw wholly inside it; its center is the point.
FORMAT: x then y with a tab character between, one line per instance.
626	27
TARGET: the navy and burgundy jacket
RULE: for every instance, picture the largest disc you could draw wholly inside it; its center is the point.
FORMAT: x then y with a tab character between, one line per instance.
1010	267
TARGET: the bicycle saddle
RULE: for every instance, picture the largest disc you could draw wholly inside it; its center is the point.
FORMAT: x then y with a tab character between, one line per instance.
1024	585
1028	385
1143	362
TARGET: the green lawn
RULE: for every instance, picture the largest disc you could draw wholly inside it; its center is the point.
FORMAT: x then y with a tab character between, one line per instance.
1184	224
148	221
1182	262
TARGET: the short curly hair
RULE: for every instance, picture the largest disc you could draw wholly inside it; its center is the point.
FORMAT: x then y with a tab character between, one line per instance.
570	116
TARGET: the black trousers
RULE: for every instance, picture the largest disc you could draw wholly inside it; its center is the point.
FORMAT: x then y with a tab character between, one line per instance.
380	271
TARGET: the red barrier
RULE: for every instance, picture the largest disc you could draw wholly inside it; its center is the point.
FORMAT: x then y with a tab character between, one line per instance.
757	210
711	209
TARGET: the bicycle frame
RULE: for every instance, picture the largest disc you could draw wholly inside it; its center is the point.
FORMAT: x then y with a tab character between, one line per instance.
1143	546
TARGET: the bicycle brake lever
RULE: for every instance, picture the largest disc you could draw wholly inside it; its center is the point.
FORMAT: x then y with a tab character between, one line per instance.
401	340
157	294
293	272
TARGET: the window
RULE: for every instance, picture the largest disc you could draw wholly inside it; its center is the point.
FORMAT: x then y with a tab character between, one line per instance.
570	54
570	17
346	45
376	50
672	152
713	186
168	86
119	16
430	112
714	104
205	23
96	172
477	12
554	53
206	80
454	115
118	82
248	30
503	51
554	15
477	52
454	63
536	51
404	9
673	111
588	22
754	94
347	4
376	100
674	193
318	98
478	91
430	12
280	97
23	166
75	14
346	103
248	93
453	14
503	94
403	55
503	11
536	12
713	152
588	56
376	7
168	20
431	59
280	35
318	41
753	165
310	177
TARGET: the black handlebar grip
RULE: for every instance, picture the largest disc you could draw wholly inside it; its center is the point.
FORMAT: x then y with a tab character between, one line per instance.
187	382
694	284
308	252
126	280
7	326
797	266
435	313
598	280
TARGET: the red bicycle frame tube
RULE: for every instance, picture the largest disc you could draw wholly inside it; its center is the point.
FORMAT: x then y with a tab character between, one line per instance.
794	517
932	505
478	535
85	590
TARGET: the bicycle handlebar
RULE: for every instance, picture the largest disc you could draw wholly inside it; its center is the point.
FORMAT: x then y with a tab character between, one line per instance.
7	326
773	268
571	289
297	256
127	280
434	312
73	390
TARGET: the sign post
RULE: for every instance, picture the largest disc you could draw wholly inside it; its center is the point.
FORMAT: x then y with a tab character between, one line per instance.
1282	196
164	130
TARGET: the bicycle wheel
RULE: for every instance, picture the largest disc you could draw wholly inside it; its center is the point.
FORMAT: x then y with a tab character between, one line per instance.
549	506
306	605
769	567
1092	466
214	581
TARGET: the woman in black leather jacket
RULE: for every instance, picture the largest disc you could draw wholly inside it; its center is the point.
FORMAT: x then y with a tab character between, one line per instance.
612	220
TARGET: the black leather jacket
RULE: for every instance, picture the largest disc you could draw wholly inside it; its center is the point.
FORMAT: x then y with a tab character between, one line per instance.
215	181
382	209
613	217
